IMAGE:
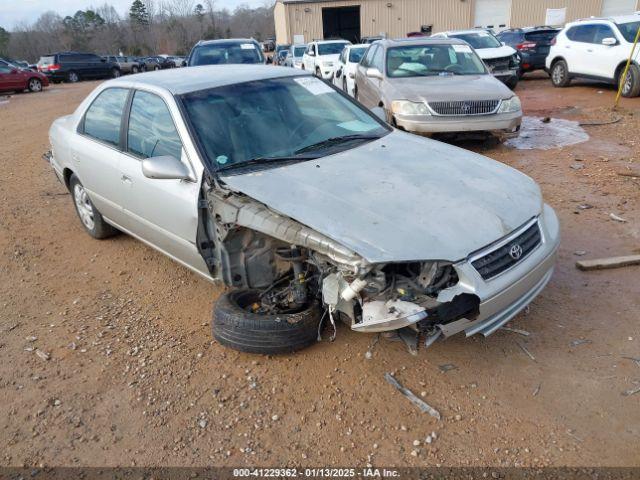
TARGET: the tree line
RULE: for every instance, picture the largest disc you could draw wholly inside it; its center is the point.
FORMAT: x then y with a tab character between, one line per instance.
149	27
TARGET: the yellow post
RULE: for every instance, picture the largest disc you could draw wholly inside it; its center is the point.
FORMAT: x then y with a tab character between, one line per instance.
623	78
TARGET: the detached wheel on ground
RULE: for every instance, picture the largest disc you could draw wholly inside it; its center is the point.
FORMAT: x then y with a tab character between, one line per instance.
631	87
35	85
235	326
560	74
89	215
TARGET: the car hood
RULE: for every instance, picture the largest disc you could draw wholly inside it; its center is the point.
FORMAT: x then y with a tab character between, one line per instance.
455	87
498	52
400	198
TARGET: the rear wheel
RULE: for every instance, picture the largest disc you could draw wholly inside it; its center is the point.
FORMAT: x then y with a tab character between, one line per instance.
91	219
35	85
73	77
235	325
631	87
318	74
560	74
134	69
115	73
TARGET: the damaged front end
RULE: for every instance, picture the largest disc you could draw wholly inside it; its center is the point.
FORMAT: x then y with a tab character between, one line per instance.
292	265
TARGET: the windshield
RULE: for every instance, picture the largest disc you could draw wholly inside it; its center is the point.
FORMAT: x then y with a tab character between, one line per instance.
629	30
226	53
331	48
299	51
478	39
355	54
273	118
430	60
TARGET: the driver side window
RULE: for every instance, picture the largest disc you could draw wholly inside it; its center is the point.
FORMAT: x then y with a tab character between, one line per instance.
366	61
151	131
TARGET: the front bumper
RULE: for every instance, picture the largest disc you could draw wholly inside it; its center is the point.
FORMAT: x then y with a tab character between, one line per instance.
504	124
505	295
326	72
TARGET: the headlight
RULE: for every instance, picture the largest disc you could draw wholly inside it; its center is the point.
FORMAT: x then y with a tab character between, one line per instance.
510	105
405	107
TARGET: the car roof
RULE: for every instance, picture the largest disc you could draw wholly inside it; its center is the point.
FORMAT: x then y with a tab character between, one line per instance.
226	40
337	40
465	32
615	19
178	81
420	41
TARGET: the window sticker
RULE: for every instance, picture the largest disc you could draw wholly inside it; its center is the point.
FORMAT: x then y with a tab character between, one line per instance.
313	85
222	159
247	46
461	48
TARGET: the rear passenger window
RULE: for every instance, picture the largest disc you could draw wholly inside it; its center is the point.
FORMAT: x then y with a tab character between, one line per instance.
152	132
102	120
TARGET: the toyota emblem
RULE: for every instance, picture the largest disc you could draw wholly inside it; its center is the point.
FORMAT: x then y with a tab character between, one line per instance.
515	251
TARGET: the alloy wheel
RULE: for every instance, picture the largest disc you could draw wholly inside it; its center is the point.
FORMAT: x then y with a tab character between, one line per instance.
84	206
558	74
35	85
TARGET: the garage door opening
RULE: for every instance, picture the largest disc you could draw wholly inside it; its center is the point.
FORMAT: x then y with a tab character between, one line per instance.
341	22
618	7
492	14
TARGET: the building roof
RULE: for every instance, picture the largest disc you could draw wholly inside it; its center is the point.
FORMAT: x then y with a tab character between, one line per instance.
191	79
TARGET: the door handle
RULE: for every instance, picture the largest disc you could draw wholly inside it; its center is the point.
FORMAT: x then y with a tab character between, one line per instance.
126	179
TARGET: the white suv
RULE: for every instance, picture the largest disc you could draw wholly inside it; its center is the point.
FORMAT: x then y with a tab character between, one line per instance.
596	48
321	56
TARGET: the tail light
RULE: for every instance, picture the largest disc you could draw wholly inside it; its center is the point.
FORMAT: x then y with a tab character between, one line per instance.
526	46
54	67
48	68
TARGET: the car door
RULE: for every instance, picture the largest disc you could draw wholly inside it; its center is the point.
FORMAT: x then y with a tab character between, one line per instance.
163	212
368	87
603	59
9	78
575	51
95	151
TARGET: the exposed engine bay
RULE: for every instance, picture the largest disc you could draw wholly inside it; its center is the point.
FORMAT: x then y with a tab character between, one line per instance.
252	246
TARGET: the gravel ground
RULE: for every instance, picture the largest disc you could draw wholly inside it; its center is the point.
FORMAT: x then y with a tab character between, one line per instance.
107	357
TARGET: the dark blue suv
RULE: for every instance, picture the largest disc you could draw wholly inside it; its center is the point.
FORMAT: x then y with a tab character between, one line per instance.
532	44
225	51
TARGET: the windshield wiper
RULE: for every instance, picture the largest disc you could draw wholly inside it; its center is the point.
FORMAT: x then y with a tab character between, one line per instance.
271	161
333	141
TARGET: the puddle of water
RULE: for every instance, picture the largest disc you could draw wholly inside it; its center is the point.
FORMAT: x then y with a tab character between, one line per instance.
537	135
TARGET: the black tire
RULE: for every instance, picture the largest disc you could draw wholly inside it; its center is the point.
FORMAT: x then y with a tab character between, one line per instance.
115	72
157	67
318	74
237	328
512	82
97	228
632	84
560	74
134	69
73	77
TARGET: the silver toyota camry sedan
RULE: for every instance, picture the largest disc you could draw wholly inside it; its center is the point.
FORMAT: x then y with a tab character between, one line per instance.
308	206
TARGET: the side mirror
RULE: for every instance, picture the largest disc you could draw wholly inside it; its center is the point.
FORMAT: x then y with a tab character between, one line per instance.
165	167
380	113
374	73
609	41
103	60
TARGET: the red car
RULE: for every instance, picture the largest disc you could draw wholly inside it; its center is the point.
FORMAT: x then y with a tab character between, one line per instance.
15	79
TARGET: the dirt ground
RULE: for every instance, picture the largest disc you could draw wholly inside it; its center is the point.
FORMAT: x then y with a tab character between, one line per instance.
133	376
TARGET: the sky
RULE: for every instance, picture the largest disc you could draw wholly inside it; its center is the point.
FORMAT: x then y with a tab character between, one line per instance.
13	12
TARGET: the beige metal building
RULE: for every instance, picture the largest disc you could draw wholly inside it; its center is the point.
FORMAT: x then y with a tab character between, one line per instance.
353	19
